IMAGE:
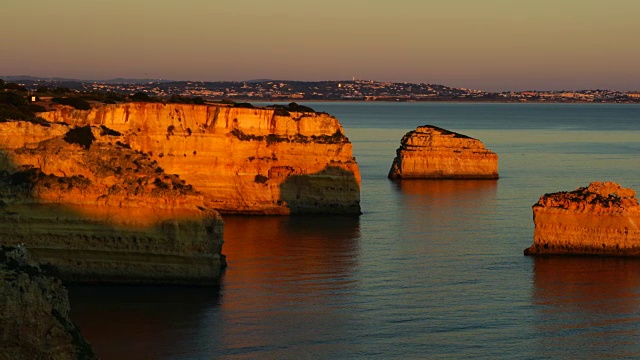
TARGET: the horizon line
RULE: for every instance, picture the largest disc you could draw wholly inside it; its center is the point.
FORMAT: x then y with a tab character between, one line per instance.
58	78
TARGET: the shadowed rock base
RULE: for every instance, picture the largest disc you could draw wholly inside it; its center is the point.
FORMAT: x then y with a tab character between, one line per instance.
34	308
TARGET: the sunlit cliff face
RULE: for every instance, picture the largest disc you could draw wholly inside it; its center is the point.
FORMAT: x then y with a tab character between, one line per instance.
251	161
102	212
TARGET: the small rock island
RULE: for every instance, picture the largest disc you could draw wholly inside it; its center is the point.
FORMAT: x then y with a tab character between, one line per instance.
601	219
430	152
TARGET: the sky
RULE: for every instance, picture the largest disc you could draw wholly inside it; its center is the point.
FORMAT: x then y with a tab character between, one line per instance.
492	45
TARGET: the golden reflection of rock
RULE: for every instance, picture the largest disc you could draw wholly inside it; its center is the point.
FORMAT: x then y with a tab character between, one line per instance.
290	256
586	288
447	188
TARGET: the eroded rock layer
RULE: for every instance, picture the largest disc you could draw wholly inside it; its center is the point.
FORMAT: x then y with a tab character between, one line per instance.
99	211
245	160
601	219
34	308
430	152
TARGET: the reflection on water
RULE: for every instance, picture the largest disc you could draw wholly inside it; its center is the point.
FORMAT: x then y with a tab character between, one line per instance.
448	211
286	283
588	305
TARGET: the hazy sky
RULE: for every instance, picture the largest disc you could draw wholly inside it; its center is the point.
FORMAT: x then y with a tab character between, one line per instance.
482	44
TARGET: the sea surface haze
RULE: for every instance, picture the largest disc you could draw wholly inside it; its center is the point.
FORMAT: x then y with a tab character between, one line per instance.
431	269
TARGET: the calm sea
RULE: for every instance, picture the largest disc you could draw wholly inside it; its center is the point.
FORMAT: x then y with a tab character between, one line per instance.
432	269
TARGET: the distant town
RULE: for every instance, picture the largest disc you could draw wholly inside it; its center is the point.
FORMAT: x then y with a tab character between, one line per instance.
347	90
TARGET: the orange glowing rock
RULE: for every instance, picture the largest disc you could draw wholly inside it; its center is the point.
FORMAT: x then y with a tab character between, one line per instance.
244	160
430	152
601	219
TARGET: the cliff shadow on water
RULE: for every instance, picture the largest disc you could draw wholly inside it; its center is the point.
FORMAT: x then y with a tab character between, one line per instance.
332	190
155	317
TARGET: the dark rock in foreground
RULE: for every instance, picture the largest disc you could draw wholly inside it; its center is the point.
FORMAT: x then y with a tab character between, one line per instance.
34	313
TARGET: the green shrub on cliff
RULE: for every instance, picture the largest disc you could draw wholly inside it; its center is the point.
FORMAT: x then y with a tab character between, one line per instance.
283	110
300	108
245	105
15	107
10	112
80	135
75	102
177	99
142	97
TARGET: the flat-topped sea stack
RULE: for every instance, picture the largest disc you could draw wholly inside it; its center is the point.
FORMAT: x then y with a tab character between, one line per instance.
97	211
430	152
601	219
244	160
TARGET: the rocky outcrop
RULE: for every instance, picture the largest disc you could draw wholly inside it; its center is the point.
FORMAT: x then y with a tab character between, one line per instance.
245	160
99	211
430	152
601	219
34	313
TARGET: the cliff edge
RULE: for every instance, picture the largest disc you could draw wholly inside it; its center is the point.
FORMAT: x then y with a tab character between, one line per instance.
34	313
98	211
244	160
601	219
430	152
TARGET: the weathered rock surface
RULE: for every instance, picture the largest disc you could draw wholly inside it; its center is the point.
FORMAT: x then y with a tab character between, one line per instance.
34	313
430	152
99	211
601	219
245	160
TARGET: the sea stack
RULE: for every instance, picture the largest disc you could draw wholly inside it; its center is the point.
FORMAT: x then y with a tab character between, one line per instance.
245	160
601	219
430	152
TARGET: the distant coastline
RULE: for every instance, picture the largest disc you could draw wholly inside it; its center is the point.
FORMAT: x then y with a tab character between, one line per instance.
333	90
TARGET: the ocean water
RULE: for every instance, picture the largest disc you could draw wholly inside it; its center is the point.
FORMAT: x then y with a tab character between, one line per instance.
431	269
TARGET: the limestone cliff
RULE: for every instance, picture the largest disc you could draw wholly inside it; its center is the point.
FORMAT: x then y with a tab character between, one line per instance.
99	211
430	152
34	313
245	160
601	219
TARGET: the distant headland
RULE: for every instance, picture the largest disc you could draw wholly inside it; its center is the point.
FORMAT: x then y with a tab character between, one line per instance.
330	90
